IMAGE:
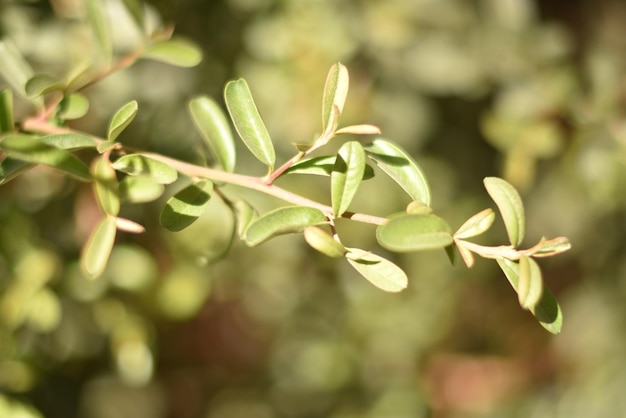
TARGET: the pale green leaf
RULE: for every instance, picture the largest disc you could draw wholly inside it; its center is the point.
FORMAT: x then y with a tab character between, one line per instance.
97	250
186	206
140	189
335	93
417	207
283	220
359	130
248	122
106	186
177	51
346	175
407	232
213	126
41	84
323	242
135	9
122	118
7	123
101	29
554	246
510	205
70	141
74	106
530	284
322	166
476	225
136	165
381	272
399	165
244	215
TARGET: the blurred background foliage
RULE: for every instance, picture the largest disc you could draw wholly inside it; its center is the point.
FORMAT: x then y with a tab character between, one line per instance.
534	91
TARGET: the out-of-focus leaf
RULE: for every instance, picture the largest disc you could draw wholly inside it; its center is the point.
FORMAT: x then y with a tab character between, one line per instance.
248	122
401	168
127	225
140	189
510	205
182	209
177	51
418	207
547	310
14	68
40	84
322	166
97	250
335	93
346	175
32	150
244	214
320	240
7	124
135	9
101	29
122	118
70	141
74	106
136	165
530	283
106	186
476	225
406	232
381	272
359	130
213	126
280	221
554	246
466	254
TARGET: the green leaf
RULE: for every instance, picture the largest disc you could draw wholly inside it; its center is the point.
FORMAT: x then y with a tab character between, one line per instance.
11	168
136	165
7	123
213	126
335	93
322	166
182	209
101	29
74	106
32	149
381	272
547	310
407	232
399	165
530	283
96	252
244	214
554	246
417	207
359	130
280	221
41	84
70	141
476	225
140	189
346	175
177	51
321	241
135	9
106	187
248	122
122	118
510	205
13	67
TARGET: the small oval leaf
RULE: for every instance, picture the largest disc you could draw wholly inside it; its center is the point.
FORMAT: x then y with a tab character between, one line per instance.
280	221
213	126
40	84
322	166
70	141
407	232
399	165
335	94
476	225
379	271
248	122
321	241
96	252
7	123
530	284
186	206
510	206
176	51
74	106
346	175
129	226
106	187
122	118
140	189
136	165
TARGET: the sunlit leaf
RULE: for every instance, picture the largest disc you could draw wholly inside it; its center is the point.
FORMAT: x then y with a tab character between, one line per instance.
213	126
359	130
248	122
99	23
106	187
244	214
69	141
122	118
135	9
7	123
346	175
74	106
322	166
530	283
320	240
510	205
283	220
552	247
97	250
136	165
186	206
401	168
476	225
418	207
406	232
547	310
466	254
140	189
41	84
127	225
335	93
381	272
13	67
177	51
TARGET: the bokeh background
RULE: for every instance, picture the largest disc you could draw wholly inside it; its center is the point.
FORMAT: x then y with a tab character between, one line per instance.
533	91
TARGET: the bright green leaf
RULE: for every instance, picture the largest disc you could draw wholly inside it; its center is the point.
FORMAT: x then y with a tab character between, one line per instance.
248	122
476	225
399	165
70	141
322	166
510	205
106	187
530	283
177	51
406	232
122	118
213	126
101	29
140	189
96	252
41	84
346	175
381	272
283	220
74	106
186	206
335	93
136	165
7	123
321	241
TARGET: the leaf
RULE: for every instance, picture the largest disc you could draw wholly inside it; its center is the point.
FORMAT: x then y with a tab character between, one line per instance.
122	118
547	310
335	93
213	126
280	221
15	69
248	122
7	123
32	150
346	175
406	232
136	165
96	252
466	254
186	206
359	130
11	168
417	207
100	26
140	189
70	141
321	241
554	246
74	106
322	166
127	225
381	272
510	205
401	168
135	9
476	225
106	187
177	51
41	84
244	214
530	283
